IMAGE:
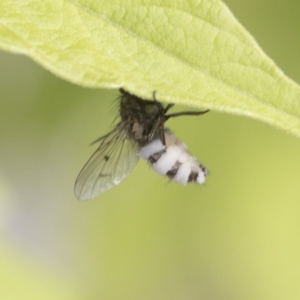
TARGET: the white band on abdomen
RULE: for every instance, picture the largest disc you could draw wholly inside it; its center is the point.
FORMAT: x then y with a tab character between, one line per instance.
152	148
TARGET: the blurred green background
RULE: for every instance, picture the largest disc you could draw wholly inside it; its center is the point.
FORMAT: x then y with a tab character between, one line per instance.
238	237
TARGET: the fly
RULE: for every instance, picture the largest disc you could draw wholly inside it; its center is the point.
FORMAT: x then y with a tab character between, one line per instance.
139	133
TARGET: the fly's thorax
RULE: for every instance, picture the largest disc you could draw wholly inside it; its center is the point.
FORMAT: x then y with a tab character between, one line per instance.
173	160
142	117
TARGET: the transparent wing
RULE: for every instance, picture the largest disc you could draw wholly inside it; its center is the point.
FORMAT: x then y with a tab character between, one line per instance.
109	165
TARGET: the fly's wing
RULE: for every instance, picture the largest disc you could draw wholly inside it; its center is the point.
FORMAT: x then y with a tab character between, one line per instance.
109	165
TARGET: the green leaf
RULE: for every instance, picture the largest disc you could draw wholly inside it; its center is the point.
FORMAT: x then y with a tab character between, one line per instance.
191	52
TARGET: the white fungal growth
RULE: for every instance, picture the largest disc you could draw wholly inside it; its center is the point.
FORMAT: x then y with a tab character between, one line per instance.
173	160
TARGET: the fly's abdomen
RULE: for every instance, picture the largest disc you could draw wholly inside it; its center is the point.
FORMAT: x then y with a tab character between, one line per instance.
173	160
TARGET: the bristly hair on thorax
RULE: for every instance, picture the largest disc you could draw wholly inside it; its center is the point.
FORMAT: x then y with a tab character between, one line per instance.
146	118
